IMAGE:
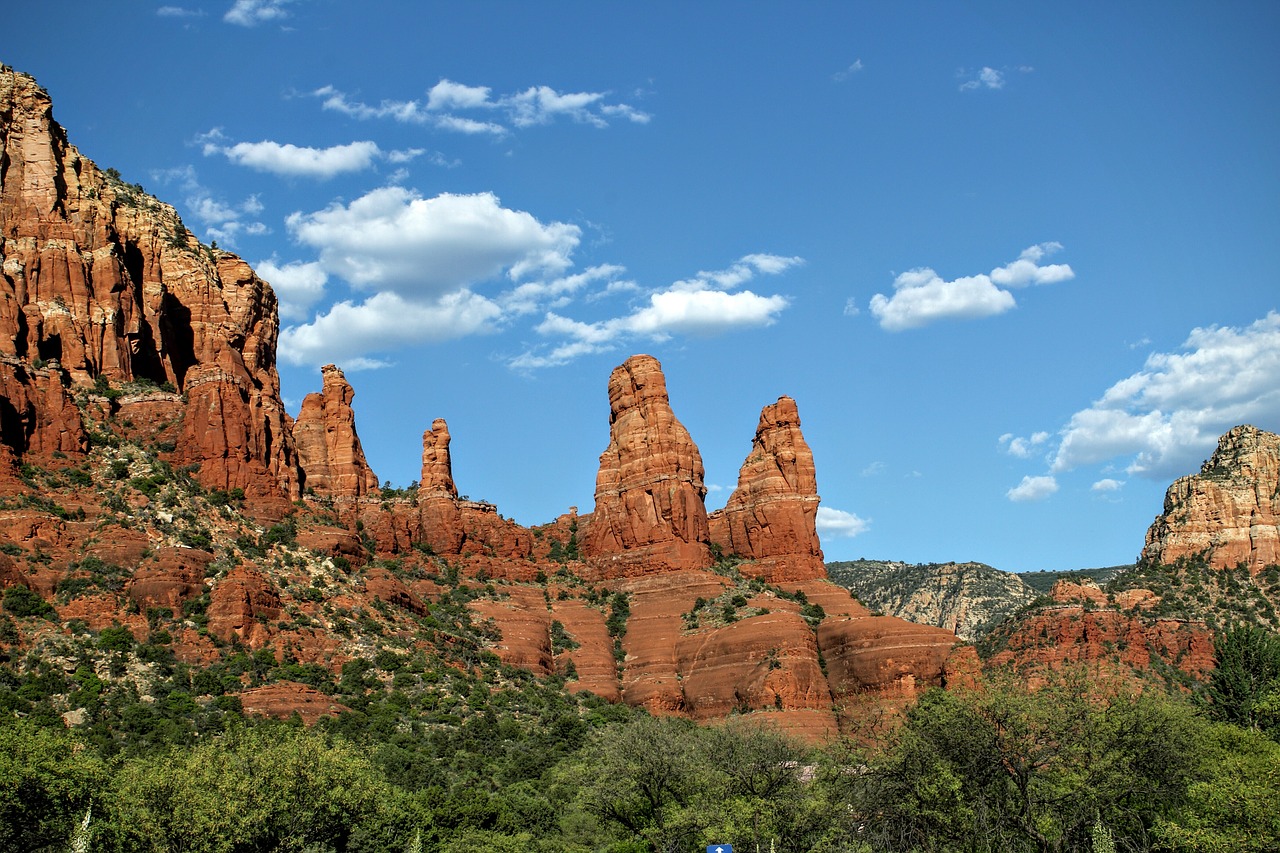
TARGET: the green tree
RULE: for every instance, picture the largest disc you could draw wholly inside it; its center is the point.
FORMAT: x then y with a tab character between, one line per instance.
271	788
47	786
1244	687
1235	806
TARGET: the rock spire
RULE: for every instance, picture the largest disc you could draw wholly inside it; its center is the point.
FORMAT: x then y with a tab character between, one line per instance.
771	516
649	513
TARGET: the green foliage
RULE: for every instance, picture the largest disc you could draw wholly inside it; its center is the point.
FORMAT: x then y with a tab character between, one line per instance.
47	783
1244	687
271	788
20	601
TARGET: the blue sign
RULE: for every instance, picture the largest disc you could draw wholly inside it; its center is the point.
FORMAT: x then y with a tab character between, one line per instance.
719	848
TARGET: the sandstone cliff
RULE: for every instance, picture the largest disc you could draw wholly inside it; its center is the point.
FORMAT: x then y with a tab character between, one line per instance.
649	513
1229	513
329	450
771	516
103	284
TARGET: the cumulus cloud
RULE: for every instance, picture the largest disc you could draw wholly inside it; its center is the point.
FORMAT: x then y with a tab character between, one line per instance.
985	78
394	238
448	103
699	306
1167	417
1033	489
299	161
1107	485
1022	447
424	257
837	522
298	285
347	332
922	297
250	13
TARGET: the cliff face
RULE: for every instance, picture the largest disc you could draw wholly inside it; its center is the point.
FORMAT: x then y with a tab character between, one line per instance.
649	512
771	516
103	284
1229	513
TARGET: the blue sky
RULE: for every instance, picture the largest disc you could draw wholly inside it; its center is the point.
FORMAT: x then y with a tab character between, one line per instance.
1017	263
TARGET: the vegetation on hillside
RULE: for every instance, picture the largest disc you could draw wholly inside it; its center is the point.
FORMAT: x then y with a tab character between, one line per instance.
1073	766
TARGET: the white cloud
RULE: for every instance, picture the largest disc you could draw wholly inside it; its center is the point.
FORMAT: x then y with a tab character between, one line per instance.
297	161
837	522
448	95
250	13
533	296
394	238
986	78
298	285
179	12
222	221
1033	489
841	76
922	297
347	331
1167	417
536	105
1027	270
698	306
1107	485
1022	447
703	312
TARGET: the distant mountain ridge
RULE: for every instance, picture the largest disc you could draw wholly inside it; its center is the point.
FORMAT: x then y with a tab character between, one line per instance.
966	598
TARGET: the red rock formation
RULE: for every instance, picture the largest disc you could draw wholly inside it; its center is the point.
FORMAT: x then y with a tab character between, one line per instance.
329	450
883	655
105	282
285	698
177	575
1229	513
37	415
1109	639
237	604
649	513
771	516
380	584
439	517
761	662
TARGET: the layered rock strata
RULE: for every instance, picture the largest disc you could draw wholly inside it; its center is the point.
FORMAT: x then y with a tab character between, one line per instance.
1229	513
649	514
771	516
329	450
104	284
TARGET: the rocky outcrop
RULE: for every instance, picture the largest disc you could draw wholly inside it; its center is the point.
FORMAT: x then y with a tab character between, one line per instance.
965	598
1229	513
241	605
285	698
103	284
329	450
771	516
439	516
1121	643
649	514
